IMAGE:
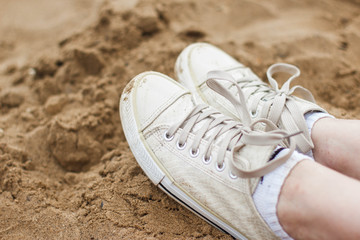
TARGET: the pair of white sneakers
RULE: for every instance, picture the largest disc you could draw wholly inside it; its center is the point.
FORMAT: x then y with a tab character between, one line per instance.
207	139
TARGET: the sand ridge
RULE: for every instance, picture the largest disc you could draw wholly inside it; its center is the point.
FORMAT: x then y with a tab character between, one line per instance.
66	170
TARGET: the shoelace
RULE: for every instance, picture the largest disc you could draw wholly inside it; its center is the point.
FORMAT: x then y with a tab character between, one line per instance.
278	102
231	135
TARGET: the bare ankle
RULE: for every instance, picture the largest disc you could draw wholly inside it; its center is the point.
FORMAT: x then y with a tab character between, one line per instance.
290	205
310	206
336	145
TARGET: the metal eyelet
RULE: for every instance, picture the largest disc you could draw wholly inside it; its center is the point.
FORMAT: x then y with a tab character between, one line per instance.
232	176
220	168
167	137
206	160
254	113
194	154
180	147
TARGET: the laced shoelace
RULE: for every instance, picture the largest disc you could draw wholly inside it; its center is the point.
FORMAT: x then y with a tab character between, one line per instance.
278	102
228	134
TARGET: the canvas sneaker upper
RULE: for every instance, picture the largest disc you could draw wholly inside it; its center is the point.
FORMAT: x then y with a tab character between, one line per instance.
201	61
204	159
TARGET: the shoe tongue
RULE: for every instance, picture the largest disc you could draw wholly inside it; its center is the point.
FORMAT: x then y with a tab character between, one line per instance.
240	74
209	134
178	110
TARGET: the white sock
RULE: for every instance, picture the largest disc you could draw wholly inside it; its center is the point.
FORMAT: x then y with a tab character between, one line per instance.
266	194
311	118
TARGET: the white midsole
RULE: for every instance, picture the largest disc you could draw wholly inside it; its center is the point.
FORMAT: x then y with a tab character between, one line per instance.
152	169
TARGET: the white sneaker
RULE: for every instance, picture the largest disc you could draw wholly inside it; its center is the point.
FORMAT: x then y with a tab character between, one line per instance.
278	105
206	161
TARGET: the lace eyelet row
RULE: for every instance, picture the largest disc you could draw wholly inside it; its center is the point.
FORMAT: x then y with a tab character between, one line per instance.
194	154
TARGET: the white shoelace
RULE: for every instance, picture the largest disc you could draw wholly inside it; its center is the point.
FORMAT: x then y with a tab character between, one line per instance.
228	134
278	102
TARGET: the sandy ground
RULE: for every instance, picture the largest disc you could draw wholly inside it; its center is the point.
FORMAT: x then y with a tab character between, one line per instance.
66	171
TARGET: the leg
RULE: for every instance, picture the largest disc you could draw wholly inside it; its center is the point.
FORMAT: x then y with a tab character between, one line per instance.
337	145
319	203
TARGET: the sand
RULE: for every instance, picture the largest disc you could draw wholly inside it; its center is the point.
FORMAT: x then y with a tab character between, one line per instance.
66	171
